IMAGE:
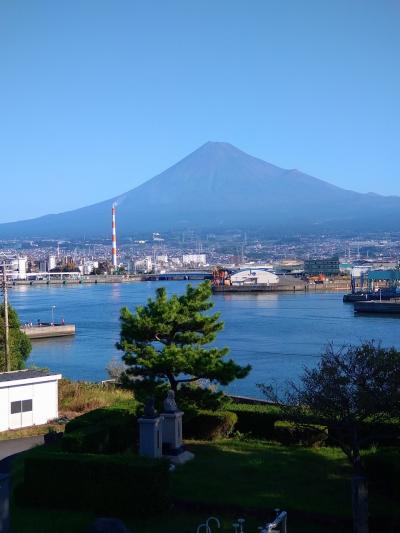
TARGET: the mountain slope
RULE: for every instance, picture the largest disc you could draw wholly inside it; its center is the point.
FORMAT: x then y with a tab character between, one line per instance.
221	187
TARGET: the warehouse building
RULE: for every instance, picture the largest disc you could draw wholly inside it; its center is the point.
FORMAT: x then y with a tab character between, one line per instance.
27	398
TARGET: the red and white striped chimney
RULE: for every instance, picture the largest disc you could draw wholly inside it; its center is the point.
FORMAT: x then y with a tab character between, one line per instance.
114	237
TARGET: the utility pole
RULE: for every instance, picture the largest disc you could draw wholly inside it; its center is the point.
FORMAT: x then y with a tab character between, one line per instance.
6	326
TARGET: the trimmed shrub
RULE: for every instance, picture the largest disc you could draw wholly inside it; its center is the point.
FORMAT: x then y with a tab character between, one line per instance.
209	425
383	470
289	433
102	431
256	420
106	484
195	397
376	433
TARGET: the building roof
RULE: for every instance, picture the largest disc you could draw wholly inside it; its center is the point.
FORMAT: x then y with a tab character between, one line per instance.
29	373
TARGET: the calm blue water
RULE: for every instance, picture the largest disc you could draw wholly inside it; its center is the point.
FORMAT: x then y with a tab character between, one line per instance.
278	334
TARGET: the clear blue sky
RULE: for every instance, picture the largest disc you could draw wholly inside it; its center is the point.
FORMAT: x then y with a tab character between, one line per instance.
98	96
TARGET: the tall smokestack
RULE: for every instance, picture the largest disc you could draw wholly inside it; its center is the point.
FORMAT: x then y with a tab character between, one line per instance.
114	237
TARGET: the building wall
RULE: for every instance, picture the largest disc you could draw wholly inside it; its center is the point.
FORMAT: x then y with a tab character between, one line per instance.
253	276
4	409
328	267
44	396
194	259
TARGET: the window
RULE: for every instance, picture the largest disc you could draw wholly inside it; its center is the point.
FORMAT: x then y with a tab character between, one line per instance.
15	407
23	406
26	406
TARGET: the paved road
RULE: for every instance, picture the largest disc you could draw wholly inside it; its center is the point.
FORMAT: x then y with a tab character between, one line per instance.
11	447
8	449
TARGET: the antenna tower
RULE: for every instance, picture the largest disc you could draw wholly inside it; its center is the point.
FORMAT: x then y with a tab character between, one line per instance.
114	237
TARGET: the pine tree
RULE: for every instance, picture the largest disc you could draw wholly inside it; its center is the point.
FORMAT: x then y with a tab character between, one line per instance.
166	340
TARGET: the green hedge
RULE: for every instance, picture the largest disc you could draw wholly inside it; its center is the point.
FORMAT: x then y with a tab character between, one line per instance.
256	420
209	425
377	433
383	470
102	431
109	484
289	434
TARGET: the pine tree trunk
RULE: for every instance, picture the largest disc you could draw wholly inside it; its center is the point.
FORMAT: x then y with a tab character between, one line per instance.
360	504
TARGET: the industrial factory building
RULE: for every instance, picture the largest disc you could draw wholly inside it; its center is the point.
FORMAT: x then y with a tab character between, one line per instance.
328	267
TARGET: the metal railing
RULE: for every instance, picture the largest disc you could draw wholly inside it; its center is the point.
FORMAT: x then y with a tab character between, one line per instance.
280	522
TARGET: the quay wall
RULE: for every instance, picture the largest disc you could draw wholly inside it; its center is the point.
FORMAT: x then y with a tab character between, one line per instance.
78	281
391	307
44	332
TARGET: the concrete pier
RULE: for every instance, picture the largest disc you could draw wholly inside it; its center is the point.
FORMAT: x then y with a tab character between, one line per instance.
46	331
391	307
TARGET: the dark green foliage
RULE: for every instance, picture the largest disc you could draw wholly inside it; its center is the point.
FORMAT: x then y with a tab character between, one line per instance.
209	425
383	471
20	345
256	420
166	341
105	430
354	391
194	397
289	433
385	433
107	484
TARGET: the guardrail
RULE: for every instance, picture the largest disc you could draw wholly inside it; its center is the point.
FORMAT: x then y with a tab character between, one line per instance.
238	526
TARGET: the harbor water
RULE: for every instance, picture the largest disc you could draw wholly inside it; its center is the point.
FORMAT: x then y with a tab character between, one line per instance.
278	334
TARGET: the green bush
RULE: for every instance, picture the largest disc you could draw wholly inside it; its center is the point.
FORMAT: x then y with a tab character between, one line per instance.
377	433
191	396
256	420
383	470
102	431
208	425
109	484
289	433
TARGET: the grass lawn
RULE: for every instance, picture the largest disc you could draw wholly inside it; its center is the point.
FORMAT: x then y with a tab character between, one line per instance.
256	474
225	475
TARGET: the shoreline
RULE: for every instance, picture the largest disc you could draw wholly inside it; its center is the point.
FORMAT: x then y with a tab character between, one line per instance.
95	280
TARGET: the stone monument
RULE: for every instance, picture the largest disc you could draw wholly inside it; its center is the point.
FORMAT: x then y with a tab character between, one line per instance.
150	431
172	431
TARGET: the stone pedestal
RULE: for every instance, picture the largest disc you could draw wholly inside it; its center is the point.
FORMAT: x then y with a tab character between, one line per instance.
150	437
172	431
173	448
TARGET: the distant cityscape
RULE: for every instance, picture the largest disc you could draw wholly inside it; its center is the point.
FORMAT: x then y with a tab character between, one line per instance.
30	259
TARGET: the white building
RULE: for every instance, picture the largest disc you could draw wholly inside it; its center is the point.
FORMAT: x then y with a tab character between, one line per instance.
88	266
162	259
253	277
27	398
18	267
51	262
194	260
144	265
